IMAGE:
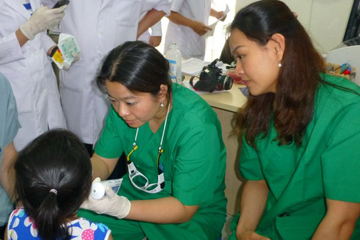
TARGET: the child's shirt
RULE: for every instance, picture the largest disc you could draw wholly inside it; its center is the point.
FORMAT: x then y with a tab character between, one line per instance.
21	226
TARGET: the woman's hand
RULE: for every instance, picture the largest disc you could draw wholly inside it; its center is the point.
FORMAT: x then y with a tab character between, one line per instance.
111	204
249	235
200	28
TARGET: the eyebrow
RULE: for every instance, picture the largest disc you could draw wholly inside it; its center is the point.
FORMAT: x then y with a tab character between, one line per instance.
233	51
126	98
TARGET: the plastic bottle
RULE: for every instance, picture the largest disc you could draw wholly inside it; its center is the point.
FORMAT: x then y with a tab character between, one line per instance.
173	55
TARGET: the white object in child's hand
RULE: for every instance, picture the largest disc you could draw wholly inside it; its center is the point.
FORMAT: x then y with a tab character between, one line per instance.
98	187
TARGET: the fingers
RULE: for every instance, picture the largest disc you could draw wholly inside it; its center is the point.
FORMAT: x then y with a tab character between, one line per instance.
96	180
109	192
60	9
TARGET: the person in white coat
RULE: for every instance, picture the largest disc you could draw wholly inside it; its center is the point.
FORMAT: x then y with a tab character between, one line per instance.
188	22
24	62
98	26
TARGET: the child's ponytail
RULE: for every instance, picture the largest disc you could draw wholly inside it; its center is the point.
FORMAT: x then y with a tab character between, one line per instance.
48	219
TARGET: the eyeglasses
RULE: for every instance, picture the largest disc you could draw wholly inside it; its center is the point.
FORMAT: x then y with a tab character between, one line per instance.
134	173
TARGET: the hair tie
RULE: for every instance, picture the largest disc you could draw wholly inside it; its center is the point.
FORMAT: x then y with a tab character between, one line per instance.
53	191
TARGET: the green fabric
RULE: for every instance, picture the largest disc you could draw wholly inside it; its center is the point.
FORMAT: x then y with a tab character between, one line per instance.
301	178
9	125
194	161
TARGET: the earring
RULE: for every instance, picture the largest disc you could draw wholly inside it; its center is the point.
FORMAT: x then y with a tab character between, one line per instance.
279	65
162	104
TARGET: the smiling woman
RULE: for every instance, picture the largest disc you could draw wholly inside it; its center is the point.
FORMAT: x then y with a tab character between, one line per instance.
165	130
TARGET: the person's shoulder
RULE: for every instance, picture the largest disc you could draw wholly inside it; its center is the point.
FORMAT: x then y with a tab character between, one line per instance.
99	228
191	107
339	89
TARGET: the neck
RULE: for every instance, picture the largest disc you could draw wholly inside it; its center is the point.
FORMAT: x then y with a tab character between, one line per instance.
156	122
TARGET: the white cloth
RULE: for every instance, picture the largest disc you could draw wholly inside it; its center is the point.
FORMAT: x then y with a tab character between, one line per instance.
98	26
190	44
30	74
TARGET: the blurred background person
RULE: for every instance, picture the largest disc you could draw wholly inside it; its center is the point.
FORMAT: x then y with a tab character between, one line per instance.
24	50
9	125
188	22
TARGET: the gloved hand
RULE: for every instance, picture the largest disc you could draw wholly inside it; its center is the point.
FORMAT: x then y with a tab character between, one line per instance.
66	65
42	19
111	204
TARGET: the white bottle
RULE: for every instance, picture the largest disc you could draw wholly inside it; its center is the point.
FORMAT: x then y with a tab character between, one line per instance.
173	55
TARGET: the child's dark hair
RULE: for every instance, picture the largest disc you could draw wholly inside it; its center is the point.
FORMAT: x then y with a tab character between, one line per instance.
53	178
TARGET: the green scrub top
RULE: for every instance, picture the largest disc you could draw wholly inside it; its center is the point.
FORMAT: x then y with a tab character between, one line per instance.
194	161
300	179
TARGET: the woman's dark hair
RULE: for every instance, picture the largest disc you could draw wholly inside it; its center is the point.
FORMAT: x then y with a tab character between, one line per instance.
55	160
137	66
293	104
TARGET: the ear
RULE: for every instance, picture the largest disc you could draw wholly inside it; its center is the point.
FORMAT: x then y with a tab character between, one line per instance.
278	44
163	92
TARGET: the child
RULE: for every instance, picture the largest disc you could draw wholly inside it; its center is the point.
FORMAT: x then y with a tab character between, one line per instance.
53	178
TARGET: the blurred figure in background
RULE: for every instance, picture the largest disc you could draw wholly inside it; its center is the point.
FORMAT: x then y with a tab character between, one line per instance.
9	125
24	50
188	22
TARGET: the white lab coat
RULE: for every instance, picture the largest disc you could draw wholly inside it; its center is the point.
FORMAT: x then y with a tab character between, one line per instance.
190	44
99	26
30	74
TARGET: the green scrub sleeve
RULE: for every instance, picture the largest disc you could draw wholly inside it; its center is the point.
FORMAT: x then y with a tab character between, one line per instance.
249	163
197	165
11	120
341	160
109	144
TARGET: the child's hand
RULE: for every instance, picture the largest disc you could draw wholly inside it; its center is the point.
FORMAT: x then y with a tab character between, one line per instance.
110	204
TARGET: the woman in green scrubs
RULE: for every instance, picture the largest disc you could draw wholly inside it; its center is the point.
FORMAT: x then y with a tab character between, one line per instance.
174	188
301	133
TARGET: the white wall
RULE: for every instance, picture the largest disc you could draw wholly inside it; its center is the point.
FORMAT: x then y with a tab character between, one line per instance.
325	20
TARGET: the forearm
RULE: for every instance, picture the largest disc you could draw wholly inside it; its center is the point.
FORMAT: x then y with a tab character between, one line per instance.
7	174
177	18
100	168
339	221
21	37
152	17
330	231
253	203
163	210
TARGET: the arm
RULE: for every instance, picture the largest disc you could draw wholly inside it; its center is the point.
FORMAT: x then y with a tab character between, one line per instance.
196	26
253	203
7	173
102	167
163	210
153	16
339	221
218	15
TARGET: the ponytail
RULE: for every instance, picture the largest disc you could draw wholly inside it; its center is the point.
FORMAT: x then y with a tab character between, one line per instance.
48	219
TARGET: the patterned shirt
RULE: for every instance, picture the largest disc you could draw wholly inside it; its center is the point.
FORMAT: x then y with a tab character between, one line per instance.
21	226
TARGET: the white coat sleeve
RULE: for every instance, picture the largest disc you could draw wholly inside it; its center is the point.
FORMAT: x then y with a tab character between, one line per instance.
10	50
176	5
46	41
159	5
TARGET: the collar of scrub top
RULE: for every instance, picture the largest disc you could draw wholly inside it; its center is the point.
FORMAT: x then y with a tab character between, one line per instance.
133	172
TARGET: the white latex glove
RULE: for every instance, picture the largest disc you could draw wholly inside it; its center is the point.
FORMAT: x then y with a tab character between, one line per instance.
111	204
42	19
67	65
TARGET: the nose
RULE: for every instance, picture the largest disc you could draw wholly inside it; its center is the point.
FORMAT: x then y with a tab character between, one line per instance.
122	110
239	69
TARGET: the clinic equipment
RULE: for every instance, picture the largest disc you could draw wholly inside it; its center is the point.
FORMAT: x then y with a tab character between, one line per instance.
98	188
